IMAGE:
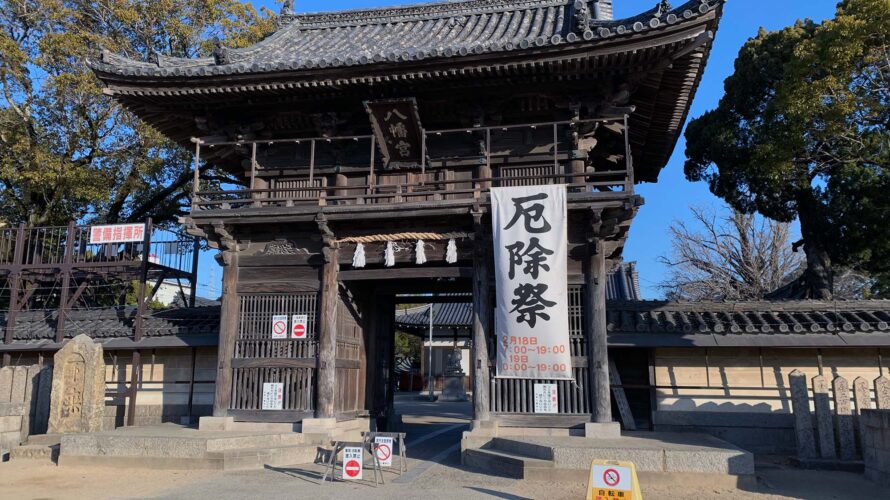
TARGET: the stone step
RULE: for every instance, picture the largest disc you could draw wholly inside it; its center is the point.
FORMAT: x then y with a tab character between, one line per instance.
260	441
518	447
233	459
45	439
194	446
253	459
35	452
508	464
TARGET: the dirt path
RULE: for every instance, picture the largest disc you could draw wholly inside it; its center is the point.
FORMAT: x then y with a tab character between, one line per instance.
25	479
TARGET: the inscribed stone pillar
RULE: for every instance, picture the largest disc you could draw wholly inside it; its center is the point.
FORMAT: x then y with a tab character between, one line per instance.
30	401
78	391
800	407
824	424
862	398
882	392
19	384
844	416
5	384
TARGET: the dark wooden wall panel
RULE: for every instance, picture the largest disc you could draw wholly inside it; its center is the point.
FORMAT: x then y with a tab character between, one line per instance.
259	358
514	396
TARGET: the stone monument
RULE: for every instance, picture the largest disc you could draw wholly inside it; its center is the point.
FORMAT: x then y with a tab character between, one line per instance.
453	390
78	390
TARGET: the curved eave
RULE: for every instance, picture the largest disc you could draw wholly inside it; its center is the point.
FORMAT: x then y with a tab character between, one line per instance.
126	80
463	29
672	56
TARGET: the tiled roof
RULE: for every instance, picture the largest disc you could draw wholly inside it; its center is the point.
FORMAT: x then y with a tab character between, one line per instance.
798	323
630	323
623	284
116	323
452	315
413	33
703	324
763	317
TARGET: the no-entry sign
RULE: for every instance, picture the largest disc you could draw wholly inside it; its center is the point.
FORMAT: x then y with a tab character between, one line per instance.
299	326
383	450
352	463
279	326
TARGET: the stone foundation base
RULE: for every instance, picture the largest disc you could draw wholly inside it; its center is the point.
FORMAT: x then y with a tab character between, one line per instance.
611	430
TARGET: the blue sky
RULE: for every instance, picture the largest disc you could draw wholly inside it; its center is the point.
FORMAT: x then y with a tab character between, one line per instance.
671	197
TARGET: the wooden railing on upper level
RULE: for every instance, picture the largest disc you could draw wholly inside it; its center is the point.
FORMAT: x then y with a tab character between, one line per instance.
436	179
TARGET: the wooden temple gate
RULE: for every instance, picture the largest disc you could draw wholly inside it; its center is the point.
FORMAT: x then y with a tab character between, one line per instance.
320	150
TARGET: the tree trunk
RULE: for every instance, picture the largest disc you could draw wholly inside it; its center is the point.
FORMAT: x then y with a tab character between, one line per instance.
819	273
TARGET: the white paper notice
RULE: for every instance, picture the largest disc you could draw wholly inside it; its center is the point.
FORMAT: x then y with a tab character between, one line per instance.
273	396
546	398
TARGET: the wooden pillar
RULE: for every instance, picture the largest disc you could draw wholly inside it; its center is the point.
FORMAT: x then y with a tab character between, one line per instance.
15	283
141	299
340	180
327	343
228	333
576	166
595	329
481	321
193	276
66	284
135	376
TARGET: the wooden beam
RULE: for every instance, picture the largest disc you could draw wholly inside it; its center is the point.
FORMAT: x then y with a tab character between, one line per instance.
274	363
406	273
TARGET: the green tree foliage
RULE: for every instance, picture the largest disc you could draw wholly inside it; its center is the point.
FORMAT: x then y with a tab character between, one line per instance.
68	151
408	346
802	132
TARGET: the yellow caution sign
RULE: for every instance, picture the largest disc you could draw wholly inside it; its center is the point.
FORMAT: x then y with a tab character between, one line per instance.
611	480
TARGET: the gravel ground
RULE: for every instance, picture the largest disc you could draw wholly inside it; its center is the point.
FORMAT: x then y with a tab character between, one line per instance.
434	433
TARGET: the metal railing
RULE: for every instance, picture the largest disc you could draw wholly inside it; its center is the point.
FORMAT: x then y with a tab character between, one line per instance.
59	264
25	248
443	174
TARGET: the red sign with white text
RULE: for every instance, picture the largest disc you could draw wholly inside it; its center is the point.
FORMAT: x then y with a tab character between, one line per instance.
118	233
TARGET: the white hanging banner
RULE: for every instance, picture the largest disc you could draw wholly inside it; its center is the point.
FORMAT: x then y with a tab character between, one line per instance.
532	316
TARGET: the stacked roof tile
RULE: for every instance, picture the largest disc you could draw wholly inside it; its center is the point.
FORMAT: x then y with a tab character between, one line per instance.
116	323
413	33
